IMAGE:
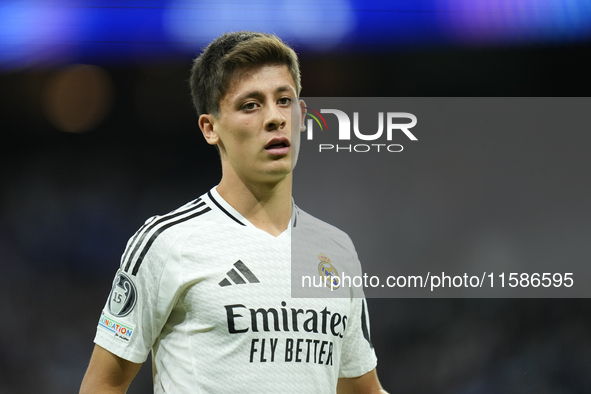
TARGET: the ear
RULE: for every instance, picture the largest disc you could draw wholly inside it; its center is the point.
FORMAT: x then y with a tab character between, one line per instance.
207	126
304	112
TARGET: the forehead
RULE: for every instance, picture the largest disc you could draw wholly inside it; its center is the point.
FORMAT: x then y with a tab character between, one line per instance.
263	79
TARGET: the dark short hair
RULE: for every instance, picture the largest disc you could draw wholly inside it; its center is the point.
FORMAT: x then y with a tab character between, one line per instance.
230	53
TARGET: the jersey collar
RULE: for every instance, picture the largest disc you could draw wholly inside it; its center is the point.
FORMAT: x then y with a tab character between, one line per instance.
237	217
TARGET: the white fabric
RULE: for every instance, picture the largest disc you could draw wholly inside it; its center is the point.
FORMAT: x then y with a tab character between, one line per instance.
209	338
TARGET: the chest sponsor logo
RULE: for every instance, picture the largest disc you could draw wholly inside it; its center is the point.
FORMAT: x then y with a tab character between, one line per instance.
123	296
314	335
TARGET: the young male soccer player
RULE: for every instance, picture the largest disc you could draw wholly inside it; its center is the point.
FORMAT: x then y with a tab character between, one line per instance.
206	287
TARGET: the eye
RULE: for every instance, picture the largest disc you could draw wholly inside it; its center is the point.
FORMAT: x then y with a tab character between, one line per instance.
249	106
284	100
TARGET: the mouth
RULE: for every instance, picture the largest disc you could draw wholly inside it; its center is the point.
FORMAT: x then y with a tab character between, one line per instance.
278	146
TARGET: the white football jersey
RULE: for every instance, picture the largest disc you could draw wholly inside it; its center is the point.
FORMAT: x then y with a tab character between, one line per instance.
210	295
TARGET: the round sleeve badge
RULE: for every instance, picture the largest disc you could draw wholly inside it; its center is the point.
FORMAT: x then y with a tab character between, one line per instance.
123	296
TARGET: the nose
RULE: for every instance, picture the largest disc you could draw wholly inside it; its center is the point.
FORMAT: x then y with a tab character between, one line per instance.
275	119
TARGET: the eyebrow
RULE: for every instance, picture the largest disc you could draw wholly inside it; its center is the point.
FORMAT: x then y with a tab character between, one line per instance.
258	93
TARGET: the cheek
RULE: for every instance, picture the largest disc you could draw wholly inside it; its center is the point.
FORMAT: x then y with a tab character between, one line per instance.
240	138
235	132
243	132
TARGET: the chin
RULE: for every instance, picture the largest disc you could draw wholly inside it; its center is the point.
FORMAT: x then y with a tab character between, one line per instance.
278	173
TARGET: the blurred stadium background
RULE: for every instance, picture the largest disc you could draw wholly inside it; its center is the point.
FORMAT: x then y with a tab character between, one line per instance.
99	134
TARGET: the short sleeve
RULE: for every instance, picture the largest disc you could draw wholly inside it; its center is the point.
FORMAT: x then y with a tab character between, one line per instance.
358	356
142	296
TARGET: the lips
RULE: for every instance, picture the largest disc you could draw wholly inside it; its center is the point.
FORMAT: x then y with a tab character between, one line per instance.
278	146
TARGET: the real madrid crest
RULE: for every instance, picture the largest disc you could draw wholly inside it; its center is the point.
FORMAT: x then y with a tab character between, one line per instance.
328	273
123	296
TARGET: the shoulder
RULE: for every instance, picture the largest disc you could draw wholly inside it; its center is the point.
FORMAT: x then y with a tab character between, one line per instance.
187	218
319	228
160	233
321	247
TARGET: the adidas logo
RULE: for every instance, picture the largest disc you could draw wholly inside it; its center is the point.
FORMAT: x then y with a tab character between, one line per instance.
236	278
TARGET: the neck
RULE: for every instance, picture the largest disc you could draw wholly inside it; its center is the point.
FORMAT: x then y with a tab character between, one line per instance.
267	205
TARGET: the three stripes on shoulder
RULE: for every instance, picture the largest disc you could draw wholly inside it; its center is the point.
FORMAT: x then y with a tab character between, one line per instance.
147	234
